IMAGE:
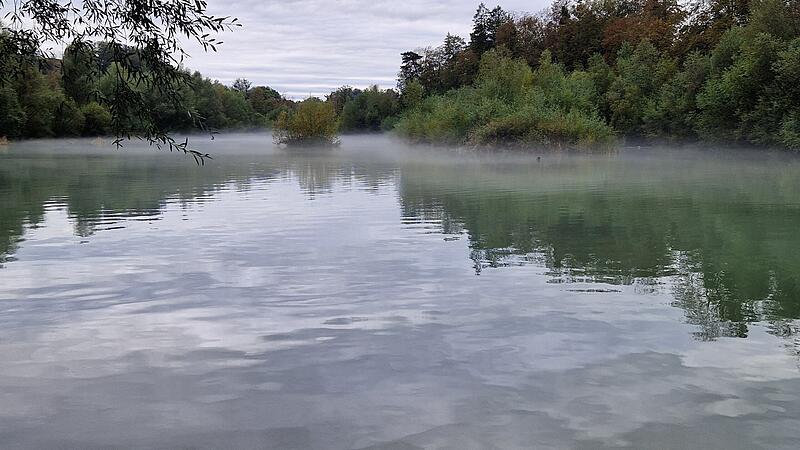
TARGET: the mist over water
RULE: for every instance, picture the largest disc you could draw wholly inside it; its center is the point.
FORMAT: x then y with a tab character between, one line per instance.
385	296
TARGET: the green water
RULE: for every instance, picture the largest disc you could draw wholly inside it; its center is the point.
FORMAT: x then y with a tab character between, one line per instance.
385	296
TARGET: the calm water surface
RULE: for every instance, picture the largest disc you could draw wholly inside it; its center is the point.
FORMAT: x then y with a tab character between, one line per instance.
380	296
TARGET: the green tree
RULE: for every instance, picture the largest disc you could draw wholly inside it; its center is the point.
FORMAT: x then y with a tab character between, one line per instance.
413	94
267	102
237	111
502	77
410	68
452	46
631	96
485	25
12	114
39	100
732	103
341	96
787	93
675	111
97	119
242	85
139	33
480	39
80	70
68	119
510	104
369	110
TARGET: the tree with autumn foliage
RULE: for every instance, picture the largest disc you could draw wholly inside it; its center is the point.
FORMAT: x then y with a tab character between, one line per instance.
711	70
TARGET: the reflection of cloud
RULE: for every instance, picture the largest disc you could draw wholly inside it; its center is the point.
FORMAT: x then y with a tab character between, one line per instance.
745	358
344	321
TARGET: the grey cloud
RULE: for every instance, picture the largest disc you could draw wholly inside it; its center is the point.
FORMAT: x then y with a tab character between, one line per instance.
309	47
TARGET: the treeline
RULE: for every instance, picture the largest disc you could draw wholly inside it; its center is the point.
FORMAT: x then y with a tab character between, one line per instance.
72	96
581	74
588	70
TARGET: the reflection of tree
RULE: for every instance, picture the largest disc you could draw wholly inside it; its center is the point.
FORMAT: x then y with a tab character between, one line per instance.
722	233
105	189
318	172
315	177
702	308
709	303
726	247
99	190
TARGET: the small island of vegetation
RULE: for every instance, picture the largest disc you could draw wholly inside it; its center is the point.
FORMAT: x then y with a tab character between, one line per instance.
313	122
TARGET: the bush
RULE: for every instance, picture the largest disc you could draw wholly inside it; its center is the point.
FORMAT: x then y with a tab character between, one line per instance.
502	77
313	122
510	104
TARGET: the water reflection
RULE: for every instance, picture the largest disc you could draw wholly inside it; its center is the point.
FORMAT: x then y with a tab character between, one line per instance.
722	230
718	232
389	297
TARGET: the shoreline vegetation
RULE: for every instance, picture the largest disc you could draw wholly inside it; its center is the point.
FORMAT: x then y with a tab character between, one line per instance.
584	74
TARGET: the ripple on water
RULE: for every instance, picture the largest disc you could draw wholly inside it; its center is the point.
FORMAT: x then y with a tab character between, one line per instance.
374	298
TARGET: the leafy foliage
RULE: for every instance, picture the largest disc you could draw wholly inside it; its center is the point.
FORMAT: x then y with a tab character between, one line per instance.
312	122
143	43
75	96
96	119
510	103
369	110
717	70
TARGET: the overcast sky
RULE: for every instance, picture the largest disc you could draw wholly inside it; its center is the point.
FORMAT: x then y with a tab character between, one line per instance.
310	47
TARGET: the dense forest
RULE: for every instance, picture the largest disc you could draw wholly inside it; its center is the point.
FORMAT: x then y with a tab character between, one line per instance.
589	70
581	74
